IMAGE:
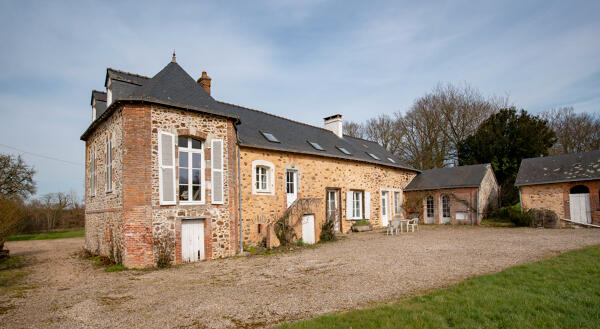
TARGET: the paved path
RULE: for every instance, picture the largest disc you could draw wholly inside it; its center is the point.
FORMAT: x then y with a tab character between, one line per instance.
260	291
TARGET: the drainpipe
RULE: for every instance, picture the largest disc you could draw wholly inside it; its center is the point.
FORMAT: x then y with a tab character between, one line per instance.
239	190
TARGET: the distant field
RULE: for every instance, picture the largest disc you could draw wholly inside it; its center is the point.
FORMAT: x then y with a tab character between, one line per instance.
560	292
73	233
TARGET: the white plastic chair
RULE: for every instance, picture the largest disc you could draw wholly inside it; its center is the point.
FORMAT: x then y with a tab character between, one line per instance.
393	227
412	223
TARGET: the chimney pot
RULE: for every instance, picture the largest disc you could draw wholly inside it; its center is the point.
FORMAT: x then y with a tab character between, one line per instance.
204	82
334	123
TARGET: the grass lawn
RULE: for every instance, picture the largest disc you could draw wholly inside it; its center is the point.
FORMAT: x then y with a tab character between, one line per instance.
560	292
74	233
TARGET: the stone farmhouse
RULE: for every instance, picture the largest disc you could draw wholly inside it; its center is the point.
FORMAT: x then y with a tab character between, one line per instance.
172	172
568	184
458	195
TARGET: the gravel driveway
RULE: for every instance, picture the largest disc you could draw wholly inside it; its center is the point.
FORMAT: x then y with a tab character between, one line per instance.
260	291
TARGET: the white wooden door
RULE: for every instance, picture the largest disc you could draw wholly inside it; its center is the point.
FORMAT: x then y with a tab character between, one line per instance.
192	240
384	208
580	208
429	210
445	209
308	229
291	186
333	212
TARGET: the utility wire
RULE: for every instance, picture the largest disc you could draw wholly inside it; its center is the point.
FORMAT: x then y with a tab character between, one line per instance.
42	155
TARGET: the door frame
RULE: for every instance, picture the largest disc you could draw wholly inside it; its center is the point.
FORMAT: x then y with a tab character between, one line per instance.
387	206
296	186
202	242
339	205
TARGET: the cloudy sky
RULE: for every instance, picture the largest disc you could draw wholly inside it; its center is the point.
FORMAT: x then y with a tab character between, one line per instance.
300	59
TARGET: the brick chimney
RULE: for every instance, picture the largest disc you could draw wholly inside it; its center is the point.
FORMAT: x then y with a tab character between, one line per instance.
334	123
204	82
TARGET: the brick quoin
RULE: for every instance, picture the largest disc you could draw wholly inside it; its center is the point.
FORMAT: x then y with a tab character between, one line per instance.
137	245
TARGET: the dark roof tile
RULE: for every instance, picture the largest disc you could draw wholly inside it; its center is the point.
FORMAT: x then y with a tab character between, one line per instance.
451	177
559	168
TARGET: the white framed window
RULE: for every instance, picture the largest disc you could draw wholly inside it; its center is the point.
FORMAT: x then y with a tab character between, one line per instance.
358	204
263	177
93	172
108	164
397	202
216	150
166	173
191	170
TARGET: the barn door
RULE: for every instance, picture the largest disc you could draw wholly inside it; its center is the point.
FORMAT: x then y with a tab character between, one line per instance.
308	229
579	204
192	240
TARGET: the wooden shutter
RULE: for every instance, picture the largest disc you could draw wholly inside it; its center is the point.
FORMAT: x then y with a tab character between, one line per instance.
367	205
166	160
349	205
217	171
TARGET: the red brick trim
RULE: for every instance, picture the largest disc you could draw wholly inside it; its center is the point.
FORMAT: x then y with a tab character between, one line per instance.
185	132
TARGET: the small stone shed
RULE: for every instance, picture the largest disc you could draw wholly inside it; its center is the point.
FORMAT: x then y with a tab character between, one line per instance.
458	195
567	184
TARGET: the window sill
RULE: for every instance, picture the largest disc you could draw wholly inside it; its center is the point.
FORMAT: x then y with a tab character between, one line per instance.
263	193
191	203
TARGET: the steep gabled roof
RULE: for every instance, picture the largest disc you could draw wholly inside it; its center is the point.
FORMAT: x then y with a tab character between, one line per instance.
559	168
172	86
451	177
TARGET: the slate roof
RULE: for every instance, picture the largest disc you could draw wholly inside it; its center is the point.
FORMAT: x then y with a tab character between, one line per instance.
172	86
559	168
451	177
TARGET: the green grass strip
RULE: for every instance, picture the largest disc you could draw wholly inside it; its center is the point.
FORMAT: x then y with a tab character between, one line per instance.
560	292
48	236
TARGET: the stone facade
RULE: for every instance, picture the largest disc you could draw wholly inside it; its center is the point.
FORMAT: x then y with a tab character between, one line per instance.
316	175
127	222
555	197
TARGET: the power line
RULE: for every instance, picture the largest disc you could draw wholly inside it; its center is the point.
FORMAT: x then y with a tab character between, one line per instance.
42	156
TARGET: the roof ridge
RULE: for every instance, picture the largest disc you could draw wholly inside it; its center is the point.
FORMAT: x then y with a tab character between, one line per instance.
98	91
562	155
125	72
274	115
362	139
471	165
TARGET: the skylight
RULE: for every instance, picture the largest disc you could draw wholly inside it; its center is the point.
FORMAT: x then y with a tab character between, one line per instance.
316	146
343	150
270	137
391	160
373	156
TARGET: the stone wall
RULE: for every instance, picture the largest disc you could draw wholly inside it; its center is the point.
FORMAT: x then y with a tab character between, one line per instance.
489	194
104	209
555	197
221	223
461	200
316	175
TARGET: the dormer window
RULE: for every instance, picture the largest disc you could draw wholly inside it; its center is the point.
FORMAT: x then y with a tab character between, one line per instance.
343	150
316	146
373	156
270	137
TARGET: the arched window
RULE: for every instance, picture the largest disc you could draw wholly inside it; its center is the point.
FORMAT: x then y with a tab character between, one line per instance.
445	206
579	189
430	206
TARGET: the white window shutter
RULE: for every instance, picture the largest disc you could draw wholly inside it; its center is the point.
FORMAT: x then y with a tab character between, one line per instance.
217	171
166	159
349	205
367	205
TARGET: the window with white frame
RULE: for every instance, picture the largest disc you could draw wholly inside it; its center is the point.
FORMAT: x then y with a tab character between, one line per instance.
263	177
190	170
357	204
93	172
397	203
108	164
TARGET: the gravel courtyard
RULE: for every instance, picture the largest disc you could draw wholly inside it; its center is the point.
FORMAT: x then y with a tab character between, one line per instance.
260	291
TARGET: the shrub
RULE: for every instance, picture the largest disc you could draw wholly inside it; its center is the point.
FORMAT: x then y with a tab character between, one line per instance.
163	245
543	218
361	222
512	214
327	231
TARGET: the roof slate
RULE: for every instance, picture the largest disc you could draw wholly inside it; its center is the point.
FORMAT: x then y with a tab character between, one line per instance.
174	87
559	168
451	177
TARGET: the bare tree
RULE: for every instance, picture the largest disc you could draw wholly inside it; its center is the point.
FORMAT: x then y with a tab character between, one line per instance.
575	132
54	207
353	129
382	129
16	178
